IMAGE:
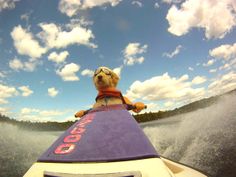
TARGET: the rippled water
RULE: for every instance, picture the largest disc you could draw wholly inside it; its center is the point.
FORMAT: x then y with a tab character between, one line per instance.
204	139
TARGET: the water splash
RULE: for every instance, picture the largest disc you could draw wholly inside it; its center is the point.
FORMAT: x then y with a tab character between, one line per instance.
19	148
204	139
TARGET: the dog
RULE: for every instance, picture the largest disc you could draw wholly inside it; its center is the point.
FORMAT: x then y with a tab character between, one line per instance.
105	81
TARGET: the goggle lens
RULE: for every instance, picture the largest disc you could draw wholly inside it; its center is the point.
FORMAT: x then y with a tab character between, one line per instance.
106	71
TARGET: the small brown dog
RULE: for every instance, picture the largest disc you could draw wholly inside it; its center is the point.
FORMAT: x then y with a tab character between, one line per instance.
105	81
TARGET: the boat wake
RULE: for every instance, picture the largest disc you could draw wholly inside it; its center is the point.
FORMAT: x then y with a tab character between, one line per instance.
204	139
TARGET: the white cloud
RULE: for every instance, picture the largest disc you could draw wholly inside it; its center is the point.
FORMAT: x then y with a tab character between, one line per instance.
226	66
81	21
18	65
165	88
52	92
25	43
202	14
26	91
190	69
2	75
7	4
132	51
174	53
156	5
68	72
209	63
118	70
137	3
212	70
72	7
25	17
153	107
224	51
199	80
54	36
133	60
168	104
58	58
28	110
222	84
34	114
6	92
4	110
87	72
172	1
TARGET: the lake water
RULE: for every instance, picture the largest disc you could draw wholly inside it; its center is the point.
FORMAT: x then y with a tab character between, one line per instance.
204	139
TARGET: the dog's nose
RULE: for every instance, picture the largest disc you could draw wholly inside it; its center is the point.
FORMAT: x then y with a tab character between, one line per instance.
100	77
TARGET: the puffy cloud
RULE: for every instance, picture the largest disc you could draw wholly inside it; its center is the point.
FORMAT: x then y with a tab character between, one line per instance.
54	36
175	52
34	114
137	3
156	5
58	58
87	72
198	80
224	51
4	110
132	51
222	84
2	75
190	69
118	70
25	17
68	72
172	1
168	104
52	92
212	70
25	43
82	21
7	4
165	88
29	66
225	66
16	64
28	110
72	7
202	14
209	63
153	107
26	91
6	92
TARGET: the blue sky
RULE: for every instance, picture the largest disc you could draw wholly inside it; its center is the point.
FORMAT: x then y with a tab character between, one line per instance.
168	53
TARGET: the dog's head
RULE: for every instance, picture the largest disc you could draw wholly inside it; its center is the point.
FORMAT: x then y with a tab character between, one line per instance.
104	78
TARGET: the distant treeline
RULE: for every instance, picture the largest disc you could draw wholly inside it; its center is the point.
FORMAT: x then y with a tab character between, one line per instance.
60	126
40	126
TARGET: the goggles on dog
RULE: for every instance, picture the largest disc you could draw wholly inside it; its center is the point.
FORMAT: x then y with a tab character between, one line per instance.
106	71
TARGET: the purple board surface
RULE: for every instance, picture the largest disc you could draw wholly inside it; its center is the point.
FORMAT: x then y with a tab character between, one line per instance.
106	134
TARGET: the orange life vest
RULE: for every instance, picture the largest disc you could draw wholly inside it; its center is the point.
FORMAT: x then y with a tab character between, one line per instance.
110	92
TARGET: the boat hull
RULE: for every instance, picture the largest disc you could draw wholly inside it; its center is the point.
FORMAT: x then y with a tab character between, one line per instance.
107	142
151	167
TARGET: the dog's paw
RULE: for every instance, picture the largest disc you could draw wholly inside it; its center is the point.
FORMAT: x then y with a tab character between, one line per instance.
139	106
80	114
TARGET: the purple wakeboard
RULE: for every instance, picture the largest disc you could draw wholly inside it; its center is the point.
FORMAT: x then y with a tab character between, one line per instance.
105	134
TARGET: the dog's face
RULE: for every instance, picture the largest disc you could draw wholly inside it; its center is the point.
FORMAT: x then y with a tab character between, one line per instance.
104	78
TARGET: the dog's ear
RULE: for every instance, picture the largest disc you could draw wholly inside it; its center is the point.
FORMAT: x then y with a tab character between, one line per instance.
115	79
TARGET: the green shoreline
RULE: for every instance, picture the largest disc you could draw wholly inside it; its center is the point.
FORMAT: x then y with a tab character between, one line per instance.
146	117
